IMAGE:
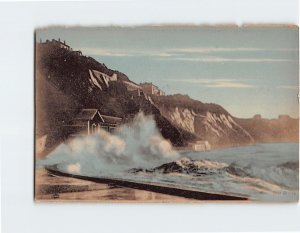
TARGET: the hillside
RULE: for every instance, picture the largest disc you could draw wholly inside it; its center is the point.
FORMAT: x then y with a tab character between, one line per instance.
53	107
64	86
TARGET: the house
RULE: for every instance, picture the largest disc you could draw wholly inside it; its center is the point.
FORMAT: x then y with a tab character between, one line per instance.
56	43
78	53
59	44
257	117
133	87
151	89
90	121
200	146
284	117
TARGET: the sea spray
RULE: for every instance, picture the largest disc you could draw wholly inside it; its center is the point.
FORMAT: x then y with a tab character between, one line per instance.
135	144
260	171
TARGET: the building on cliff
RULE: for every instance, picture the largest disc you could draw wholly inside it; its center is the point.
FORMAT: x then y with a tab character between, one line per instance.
199	146
90	121
257	117
56	43
78	53
59	44
284	117
151	89
133	87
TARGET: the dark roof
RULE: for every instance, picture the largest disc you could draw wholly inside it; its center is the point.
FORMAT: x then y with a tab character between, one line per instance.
89	114
86	114
111	119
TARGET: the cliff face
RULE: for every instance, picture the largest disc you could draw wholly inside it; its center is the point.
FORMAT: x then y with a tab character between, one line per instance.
67	82
206	121
213	123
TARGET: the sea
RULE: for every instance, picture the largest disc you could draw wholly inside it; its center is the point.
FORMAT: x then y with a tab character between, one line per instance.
261	172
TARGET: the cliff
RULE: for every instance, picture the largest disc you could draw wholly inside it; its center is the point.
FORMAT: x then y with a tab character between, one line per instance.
207	121
213	123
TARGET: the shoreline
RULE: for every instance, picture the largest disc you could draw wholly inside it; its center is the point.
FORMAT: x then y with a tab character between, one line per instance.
52	189
191	195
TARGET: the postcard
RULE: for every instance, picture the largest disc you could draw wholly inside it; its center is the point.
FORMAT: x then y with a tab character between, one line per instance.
170	113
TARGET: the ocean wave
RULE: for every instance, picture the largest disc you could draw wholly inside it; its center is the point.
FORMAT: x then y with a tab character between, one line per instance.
219	176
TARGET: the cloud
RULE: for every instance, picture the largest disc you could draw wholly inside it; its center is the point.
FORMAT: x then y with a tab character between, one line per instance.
197	54
124	52
289	87
104	52
216	83
231	84
227	49
223	59
212	50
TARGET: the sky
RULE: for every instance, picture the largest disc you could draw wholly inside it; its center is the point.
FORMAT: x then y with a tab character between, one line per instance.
247	70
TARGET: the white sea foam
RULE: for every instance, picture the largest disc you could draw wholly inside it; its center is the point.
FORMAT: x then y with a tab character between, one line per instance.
136	144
